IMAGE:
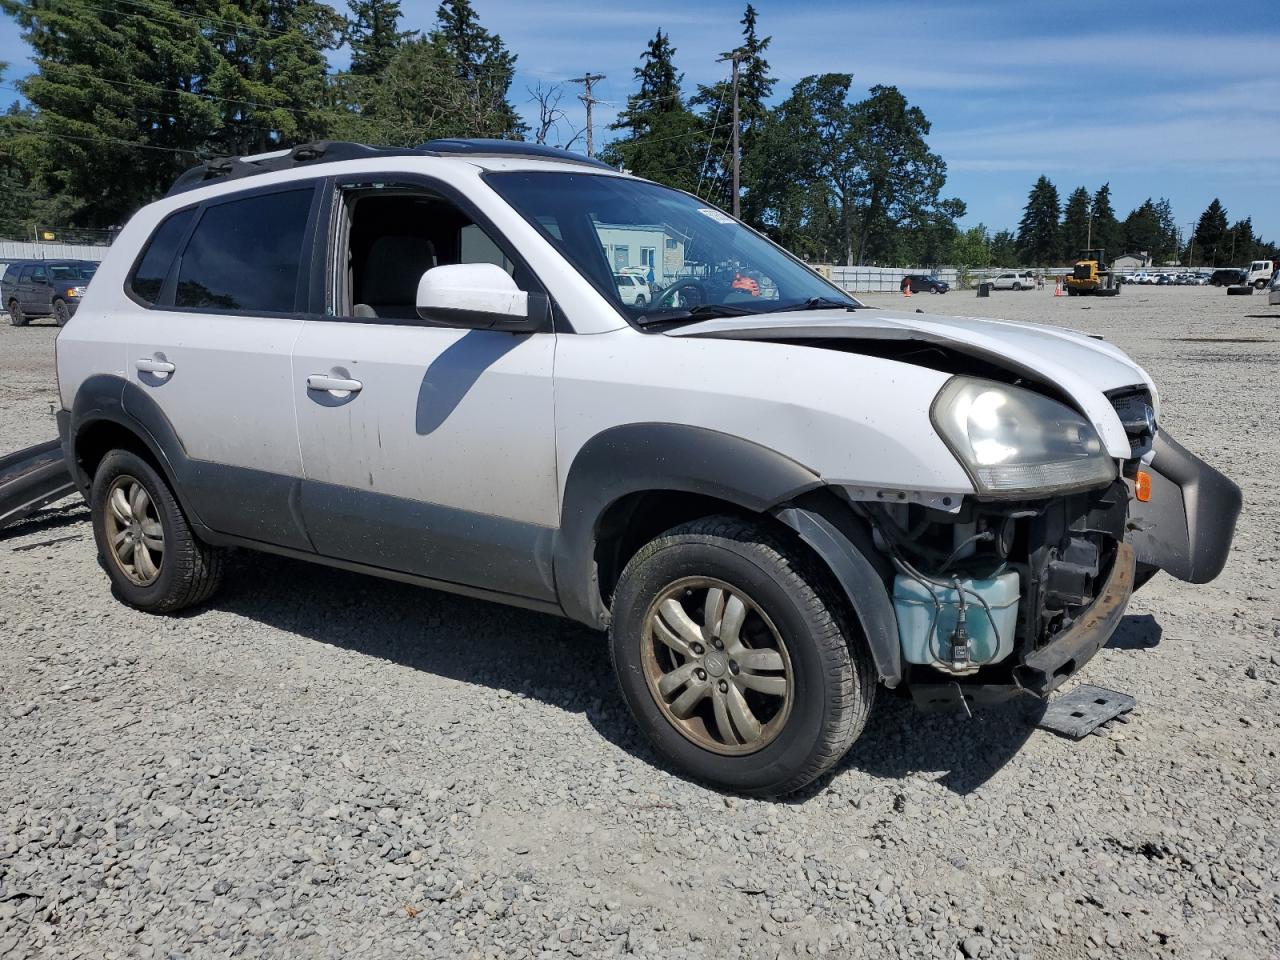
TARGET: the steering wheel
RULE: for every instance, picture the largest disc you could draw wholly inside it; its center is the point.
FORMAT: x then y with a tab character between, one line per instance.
689	292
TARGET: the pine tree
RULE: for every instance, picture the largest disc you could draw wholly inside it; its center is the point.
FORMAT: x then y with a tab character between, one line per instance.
1106	229
1076	233
1038	231
715	102
1213	243
482	67
661	132
373	34
1142	232
1241	242
1004	249
1170	235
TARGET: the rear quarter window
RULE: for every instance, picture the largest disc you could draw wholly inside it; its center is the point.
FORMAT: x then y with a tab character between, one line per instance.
148	277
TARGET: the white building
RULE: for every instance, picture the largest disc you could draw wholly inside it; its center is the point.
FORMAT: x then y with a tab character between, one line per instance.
1132	261
638	247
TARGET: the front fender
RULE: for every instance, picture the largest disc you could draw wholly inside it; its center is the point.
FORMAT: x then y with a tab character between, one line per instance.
642	457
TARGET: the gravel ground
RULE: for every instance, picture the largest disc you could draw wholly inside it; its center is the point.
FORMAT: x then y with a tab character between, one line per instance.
325	765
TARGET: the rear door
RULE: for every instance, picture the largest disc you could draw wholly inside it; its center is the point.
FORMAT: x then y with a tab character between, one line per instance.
426	449
35	289
218	290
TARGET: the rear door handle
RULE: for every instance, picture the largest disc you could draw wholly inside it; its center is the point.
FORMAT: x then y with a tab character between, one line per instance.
335	385
152	365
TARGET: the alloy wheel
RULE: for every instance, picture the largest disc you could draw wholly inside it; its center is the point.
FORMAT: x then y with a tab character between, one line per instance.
135	535
716	666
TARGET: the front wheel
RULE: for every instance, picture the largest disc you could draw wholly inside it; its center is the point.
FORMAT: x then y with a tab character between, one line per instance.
1260	284
735	658
61	313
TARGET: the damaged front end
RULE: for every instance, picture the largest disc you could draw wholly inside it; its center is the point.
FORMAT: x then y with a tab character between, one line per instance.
1004	597
1009	597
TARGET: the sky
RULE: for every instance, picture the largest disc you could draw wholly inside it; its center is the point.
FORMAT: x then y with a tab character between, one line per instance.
1157	98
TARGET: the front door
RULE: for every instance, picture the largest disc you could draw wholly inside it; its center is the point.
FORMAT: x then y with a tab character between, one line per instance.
426	449
212	348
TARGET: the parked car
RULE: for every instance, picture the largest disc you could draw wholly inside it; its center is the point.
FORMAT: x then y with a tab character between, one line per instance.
1013	281
44	288
418	365
920	283
1227	277
632	289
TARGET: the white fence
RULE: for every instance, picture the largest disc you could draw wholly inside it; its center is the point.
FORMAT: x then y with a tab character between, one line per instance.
11	250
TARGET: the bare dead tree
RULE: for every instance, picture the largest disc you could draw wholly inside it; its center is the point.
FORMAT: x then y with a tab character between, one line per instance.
549	112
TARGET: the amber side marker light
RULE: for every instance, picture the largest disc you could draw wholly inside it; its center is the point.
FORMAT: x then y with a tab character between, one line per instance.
1142	486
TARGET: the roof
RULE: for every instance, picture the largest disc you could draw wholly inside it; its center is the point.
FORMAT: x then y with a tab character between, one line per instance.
318	152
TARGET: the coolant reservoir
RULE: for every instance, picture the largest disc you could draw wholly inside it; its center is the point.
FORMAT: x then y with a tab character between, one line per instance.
990	636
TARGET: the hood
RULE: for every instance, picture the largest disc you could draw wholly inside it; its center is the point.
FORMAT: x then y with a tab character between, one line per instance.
1082	367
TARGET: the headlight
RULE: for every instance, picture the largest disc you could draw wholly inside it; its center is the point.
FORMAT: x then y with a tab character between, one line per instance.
1015	442
75	291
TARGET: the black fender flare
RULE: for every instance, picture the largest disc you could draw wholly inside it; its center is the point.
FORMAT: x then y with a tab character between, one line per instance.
644	457
845	545
113	399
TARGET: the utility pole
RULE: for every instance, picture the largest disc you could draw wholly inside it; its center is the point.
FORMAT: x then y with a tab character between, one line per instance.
587	79
736	56
1191	251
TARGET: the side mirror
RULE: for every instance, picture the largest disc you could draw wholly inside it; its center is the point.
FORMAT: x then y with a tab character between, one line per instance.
479	296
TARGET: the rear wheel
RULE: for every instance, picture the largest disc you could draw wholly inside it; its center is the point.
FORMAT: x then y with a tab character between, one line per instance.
16	316
153	559
61	313
735	658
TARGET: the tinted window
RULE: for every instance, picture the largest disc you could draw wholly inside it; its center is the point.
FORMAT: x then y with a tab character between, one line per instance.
38	272
245	255
148	278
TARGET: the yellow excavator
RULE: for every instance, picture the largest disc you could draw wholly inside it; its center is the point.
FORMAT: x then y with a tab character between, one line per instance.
1090	277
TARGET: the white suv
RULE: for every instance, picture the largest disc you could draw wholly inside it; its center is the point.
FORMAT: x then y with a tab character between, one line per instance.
1014	281
632	290
417	364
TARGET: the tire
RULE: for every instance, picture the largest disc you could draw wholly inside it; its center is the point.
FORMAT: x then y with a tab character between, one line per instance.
16	317
1240	290
187	571
1018	287
1260	284
60	312
789	605
641	300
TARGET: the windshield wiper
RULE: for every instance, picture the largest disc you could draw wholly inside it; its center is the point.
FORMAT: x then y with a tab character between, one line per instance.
819	303
704	311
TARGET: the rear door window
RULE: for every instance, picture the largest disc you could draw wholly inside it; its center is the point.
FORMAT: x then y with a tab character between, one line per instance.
245	255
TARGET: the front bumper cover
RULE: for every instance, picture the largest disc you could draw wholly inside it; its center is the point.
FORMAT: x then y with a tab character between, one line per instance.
1186	528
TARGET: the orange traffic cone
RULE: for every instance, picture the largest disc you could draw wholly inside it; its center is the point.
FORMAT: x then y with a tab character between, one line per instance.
1057	288
906	289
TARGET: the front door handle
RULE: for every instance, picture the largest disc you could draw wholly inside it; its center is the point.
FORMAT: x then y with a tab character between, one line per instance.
153	365
334	385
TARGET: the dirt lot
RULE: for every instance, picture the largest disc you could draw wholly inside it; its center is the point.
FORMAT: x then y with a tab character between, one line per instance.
320	764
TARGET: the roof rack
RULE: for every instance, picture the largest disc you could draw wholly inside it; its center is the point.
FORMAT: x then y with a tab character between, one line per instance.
319	151
332	151
479	147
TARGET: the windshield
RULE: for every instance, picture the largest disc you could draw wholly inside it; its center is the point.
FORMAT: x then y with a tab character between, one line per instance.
690	259
73	272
